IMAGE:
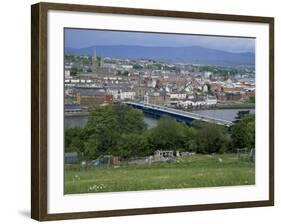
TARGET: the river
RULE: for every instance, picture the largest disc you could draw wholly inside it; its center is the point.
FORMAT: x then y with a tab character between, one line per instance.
224	114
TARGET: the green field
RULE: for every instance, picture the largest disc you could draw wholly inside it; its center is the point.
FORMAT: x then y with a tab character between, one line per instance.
189	172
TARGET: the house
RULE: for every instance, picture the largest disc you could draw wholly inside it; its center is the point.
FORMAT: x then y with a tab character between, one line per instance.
127	94
234	96
229	96
151	83
67	73
177	96
211	100
71	157
90	97
215	86
114	91
157	98
72	108
221	96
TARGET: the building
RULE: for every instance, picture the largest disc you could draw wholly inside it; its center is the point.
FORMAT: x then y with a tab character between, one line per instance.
163	154
95	62
98	67
234	96
205	88
157	98
91	97
127	95
221	96
207	75
72	108
177	96
67	74
229	96
71	157
250	93
211	100
140	90
151	83
215	86
114	91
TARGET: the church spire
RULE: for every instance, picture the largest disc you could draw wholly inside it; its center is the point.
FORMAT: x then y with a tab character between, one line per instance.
95	63
94	53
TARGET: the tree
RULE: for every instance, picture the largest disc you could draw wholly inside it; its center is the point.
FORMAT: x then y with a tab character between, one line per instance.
198	124
108	125
99	59
243	132
189	141
137	66
74	140
125	73
167	135
101	129
134	122
252	99
212	139
131	145
129	120
74	71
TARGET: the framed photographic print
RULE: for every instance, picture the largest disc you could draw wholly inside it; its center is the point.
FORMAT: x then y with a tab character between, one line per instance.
139	111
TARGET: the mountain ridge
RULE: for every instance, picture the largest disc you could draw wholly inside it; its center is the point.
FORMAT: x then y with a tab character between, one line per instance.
187	54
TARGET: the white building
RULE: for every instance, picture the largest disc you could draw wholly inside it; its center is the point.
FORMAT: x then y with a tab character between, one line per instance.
67	73
186	103
113	92
205	88
207	75
126	67
108	65
190	97
75	80
211	100
189	88
127	95
152	83
178	96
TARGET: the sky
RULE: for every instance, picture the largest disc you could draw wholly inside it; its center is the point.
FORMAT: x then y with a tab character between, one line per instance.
82	38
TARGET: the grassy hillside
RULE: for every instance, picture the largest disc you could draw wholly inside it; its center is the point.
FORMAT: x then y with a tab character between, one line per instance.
189	172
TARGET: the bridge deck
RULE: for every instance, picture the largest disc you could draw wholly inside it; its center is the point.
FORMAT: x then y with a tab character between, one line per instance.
186	114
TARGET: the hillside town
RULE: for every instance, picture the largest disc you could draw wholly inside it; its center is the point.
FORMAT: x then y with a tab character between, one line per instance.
94	80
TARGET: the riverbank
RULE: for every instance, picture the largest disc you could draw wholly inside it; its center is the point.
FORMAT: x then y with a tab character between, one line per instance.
235	106
76	114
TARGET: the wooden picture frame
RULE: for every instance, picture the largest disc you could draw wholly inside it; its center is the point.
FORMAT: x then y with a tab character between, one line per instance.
39	110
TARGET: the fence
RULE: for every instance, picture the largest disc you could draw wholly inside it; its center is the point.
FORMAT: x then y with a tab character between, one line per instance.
246	154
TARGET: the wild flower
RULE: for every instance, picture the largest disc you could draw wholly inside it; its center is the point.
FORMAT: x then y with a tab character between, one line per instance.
75	178
96	187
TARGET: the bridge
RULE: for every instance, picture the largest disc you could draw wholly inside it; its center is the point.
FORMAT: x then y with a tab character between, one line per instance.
179	115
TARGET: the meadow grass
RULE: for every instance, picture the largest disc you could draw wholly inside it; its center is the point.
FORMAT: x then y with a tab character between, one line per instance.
189	172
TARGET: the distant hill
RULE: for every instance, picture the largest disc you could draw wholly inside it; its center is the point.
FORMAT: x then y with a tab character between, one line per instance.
193	54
